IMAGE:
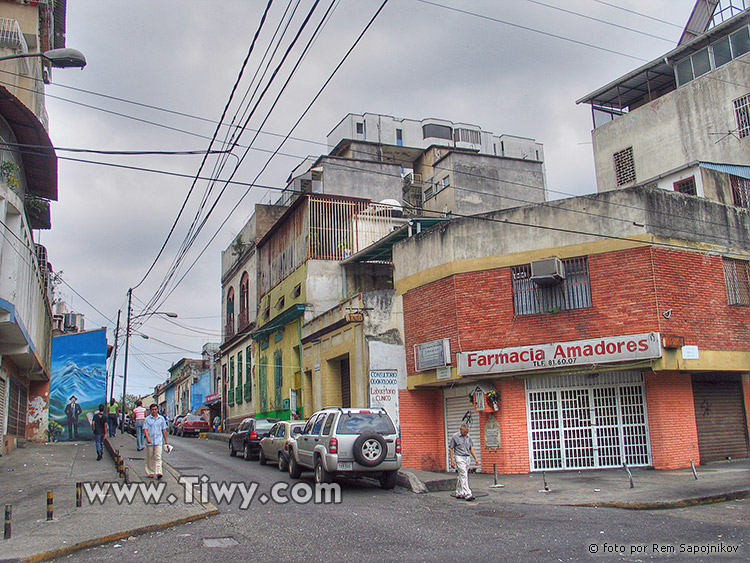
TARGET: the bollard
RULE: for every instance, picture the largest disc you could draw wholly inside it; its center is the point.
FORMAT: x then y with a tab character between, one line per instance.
544	478
49	506
79	494
8	520
695	473
494	471
630	475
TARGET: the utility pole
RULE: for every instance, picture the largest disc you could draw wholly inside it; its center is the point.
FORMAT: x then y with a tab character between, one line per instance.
114	361
125	371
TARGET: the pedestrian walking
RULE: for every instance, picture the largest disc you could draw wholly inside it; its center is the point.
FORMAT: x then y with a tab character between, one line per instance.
99	428
72	412
461	450
155	432
114	415
139	416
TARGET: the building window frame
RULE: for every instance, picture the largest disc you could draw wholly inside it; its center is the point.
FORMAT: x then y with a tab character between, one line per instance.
742	114
574	292
740	191
737	280
686	186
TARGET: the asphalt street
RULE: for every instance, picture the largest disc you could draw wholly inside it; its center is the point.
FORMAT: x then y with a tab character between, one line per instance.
372	524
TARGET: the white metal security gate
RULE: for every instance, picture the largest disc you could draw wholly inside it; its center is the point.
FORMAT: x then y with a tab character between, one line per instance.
585	422
459	410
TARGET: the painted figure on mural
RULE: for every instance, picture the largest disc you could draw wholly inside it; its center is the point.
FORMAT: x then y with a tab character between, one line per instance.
72	412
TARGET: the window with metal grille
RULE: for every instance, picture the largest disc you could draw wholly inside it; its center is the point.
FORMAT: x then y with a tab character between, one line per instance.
686	186
742	113
624	166
574	292
737	279
741	191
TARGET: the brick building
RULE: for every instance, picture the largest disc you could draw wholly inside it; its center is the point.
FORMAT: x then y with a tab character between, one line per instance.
613	328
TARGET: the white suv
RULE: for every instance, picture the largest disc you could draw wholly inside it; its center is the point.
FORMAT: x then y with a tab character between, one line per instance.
346	441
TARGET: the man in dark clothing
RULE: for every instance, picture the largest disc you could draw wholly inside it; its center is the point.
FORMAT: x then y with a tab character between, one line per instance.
99	428
73	411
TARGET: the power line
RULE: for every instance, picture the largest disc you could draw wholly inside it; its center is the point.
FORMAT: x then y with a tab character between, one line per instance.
572	12
531	29
680	27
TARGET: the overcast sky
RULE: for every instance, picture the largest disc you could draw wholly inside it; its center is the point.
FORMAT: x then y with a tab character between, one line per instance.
418	60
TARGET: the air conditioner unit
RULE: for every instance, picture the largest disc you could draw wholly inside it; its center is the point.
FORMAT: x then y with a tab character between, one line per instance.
548	271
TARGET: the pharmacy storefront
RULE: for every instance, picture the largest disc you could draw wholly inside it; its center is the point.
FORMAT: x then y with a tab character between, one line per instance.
584	401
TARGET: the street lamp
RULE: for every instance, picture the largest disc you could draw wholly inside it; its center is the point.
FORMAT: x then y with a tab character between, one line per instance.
57	58
127	344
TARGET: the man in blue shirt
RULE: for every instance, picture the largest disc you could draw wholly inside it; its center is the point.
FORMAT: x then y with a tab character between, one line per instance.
155	433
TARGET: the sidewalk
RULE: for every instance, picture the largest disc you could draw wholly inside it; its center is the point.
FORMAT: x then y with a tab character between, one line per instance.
718	481
27	474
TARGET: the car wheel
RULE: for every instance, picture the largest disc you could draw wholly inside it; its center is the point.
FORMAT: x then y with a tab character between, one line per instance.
282	462
370	449
388	479
294	470
321	475
232	451
262	457
246	452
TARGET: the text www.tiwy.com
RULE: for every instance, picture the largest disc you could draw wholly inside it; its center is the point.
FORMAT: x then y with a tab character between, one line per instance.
204	490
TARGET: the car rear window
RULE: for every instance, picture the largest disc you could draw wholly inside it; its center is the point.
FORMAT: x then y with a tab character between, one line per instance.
356	423
192	418
264	424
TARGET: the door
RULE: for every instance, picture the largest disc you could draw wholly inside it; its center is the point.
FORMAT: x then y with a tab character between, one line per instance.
586	422
457	411
720	416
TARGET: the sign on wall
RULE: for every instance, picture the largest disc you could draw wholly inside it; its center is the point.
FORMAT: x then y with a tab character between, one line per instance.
561	354
431	355
384	392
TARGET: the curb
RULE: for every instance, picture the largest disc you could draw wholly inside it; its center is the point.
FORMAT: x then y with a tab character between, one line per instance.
211	510
218	436
47	555
669	504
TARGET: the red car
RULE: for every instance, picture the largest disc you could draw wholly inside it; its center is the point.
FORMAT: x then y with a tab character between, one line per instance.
192	424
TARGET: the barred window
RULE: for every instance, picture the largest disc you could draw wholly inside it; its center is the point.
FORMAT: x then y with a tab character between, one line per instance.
686	186
741	191
574	292
742	113
624	166
737	278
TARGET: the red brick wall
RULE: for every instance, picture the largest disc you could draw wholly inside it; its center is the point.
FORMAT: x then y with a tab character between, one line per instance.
422	429
513	455
671	418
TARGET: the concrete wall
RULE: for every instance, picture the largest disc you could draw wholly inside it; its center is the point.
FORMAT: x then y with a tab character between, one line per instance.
688	124
361	178
519	235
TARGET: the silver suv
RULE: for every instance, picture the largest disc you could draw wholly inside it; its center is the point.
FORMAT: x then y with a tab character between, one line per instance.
346	441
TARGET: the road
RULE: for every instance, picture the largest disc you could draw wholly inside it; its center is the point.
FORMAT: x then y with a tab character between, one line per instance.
371	524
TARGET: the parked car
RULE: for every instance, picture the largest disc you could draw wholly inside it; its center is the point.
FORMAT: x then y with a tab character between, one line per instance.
274	447
347	441
192	424
172	424
247	437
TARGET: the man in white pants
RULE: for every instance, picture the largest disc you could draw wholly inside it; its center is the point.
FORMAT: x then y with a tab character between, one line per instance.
155	432
461	449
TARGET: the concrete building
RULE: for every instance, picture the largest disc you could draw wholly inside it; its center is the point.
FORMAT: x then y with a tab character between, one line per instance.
27	184
682	121
239	290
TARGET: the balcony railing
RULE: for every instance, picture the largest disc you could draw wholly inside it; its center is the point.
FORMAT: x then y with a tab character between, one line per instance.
23	287
229	329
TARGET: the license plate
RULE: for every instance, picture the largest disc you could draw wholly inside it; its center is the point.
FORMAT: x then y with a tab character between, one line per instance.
345	466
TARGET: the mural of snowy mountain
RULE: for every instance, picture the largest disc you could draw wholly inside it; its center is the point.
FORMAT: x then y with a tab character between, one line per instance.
79	368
